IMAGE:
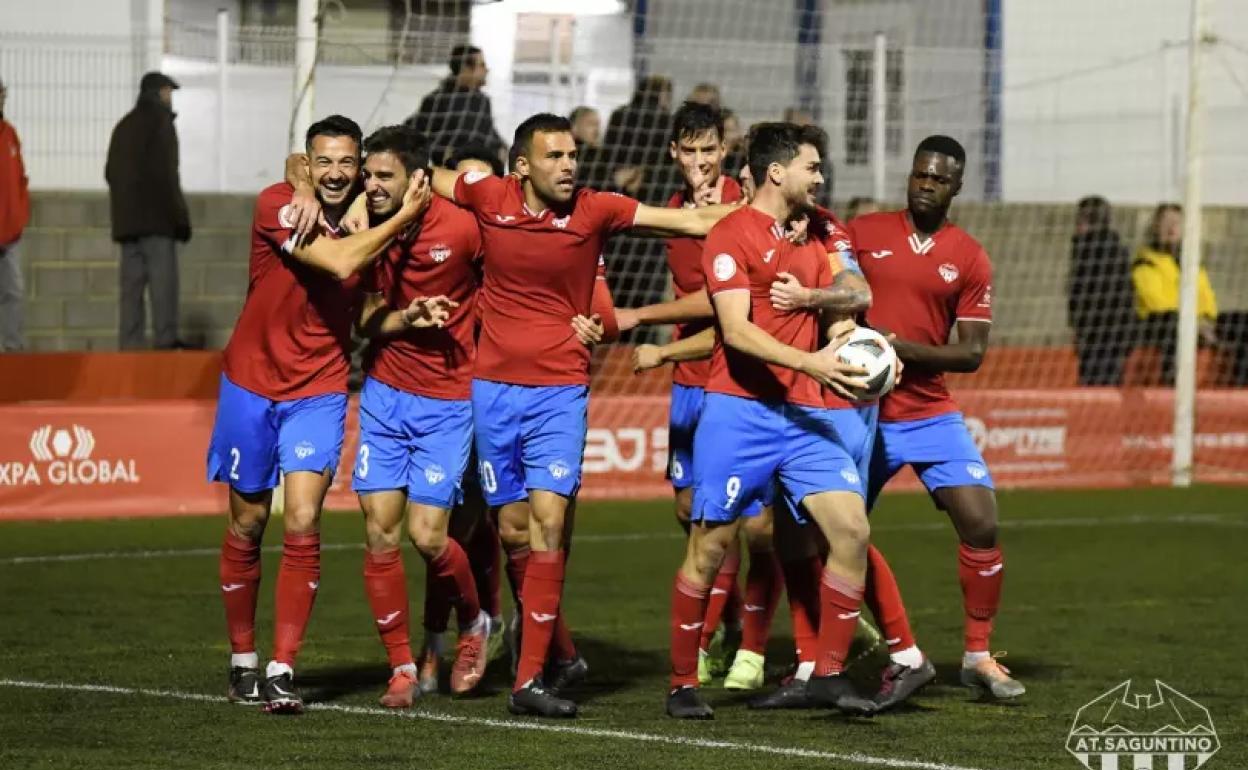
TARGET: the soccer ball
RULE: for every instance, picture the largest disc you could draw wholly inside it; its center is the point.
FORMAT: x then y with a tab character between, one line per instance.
868	348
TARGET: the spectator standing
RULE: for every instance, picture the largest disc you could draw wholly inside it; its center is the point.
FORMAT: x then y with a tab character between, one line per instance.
706	93
1099	295
586	128
148	213
457	112
14	214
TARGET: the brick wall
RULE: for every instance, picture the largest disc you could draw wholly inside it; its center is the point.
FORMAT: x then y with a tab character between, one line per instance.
71	267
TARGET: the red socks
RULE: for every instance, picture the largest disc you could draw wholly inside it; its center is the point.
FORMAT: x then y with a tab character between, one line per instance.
721	593
386	585
297	581
838	618
562	647
689	602
240	583
981	573
543	588
801	581
762	593
452	578
883	597
482	552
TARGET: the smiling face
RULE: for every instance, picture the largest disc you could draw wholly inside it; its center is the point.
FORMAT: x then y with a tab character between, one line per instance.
335	167
700	157
385	181
799	181
550	166
935	178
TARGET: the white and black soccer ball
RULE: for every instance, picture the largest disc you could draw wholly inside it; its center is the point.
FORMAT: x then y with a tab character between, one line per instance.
868	348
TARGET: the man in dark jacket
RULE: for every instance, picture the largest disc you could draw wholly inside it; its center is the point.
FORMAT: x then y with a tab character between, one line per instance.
1100	299
457	113
148	212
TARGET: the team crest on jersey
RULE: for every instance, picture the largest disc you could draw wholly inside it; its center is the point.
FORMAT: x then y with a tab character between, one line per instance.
472	177
440	252
559	469
849	476
976	471
724	266
434	474
304	450
284	217
948	271
561	222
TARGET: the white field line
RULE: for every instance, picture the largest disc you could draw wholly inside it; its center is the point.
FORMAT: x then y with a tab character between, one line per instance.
517	724
933	526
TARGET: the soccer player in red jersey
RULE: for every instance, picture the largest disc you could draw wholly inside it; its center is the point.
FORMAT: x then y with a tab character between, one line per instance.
415	417
283	400
764	418
933	278
543	238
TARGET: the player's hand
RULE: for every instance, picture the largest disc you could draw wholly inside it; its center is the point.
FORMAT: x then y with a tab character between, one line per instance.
417	196
305	210
705	194
626	318
844	379
787	293
647	357
629	179
839	331
799	230
356	218
426	312
589	330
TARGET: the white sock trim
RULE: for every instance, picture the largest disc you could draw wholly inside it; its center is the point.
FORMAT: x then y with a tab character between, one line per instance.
804	670
969	659
911	657
244	660
277	669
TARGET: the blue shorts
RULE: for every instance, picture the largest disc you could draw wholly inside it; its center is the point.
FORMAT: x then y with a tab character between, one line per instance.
683	421
412	442
528	437
940	449
742	446
253	437
856	427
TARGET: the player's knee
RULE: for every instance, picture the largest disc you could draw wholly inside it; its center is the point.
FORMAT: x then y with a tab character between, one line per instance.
980	532
302	516
759	531
707	551
381	536
430	541
512	532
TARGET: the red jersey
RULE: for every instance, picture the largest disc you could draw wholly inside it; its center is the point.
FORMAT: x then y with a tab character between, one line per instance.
438	258
293	338
684	260
826	229
744	252
539	273
921	289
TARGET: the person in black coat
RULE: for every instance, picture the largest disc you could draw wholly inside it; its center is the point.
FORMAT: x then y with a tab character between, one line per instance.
457	113
148	213
1100	295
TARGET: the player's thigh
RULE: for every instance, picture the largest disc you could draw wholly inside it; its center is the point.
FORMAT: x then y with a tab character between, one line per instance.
310	433
735	457
513	524
886	460
383	458
759	528
496	412
709	543
973	510
684	412
943	453
304	495
243	448
553	438
383	518
442	431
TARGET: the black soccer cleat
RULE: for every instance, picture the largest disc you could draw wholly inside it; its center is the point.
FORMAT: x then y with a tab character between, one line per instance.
535	700
838	692
790	695
686	703
566	674
245	686
898	683
281	696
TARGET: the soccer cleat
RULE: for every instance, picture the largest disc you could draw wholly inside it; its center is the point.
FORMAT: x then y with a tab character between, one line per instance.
722	649
837	692
563	675
746	672
704	668
427	673
281	696
790	695
497	642
470	658
990	675
245	686
686	703
535	700
403	689
899	682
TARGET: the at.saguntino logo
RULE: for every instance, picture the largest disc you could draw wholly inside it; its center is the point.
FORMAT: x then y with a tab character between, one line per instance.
1125	730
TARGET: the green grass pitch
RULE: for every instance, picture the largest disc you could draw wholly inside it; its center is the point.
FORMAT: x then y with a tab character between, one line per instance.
119	661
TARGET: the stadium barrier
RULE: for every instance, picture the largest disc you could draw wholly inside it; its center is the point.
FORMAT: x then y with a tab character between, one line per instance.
83	459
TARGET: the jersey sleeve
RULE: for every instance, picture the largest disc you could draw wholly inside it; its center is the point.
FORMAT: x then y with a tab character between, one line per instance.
724	262
477	190
827	270
613	212
975	297
603	305
272	220
840	245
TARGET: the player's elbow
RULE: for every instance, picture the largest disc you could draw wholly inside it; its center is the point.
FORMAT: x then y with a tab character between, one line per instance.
974	357
734	336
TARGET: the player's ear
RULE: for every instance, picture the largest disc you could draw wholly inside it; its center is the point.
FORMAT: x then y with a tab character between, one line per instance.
775	172
522	166
671	149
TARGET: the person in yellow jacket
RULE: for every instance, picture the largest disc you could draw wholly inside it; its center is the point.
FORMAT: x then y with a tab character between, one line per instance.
1155	276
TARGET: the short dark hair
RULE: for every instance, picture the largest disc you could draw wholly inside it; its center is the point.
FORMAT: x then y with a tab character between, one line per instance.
943	145
334	125
475	151
694	118
459	56
405	142
780	143
542	122
1094	210
577	112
